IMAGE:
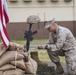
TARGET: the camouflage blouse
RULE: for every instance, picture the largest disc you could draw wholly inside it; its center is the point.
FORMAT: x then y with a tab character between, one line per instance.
61	39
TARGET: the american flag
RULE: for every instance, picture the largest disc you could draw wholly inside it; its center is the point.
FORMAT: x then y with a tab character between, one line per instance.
4	19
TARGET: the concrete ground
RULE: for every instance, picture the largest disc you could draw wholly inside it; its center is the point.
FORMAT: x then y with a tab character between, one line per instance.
64	67
50	69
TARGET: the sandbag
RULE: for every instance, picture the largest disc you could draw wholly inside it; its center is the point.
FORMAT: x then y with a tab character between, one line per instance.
12	47
15	46
10	56
13	72
31	66
2	49
1	72
19	63
7	67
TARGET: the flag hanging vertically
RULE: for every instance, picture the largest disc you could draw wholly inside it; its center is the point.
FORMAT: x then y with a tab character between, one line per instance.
4	19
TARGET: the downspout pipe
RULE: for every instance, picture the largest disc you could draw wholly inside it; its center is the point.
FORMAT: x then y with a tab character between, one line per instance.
74	18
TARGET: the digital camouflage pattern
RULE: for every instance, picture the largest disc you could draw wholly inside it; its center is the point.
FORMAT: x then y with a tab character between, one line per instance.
63	43
33	19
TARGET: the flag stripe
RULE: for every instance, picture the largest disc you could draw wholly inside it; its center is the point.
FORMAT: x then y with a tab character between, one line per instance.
6	17
6	12
3	20
3	36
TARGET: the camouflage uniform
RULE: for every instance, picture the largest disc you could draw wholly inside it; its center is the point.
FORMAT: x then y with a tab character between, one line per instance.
63	43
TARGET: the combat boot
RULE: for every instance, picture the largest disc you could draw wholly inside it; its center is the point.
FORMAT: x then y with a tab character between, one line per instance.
59	68
34	55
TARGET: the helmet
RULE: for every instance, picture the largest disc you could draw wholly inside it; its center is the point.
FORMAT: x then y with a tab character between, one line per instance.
33	19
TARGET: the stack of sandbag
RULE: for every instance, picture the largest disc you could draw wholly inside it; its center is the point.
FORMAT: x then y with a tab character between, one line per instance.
12	61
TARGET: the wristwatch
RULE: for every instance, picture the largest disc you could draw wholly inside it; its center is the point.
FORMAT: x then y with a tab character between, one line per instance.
46	47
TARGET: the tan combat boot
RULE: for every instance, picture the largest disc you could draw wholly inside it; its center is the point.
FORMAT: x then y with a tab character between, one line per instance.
34	55
59	68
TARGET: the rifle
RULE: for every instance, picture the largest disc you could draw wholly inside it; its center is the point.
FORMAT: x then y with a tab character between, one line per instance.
29	36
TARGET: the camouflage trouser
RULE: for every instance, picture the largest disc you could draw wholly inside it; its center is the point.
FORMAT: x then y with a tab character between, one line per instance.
70	57
54	55
71	62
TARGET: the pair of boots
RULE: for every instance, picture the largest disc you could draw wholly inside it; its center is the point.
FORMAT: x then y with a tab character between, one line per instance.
59	68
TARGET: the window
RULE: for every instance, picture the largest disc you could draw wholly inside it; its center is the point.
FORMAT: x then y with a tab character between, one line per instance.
54	0
41	0
13	0
67	0
27	0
